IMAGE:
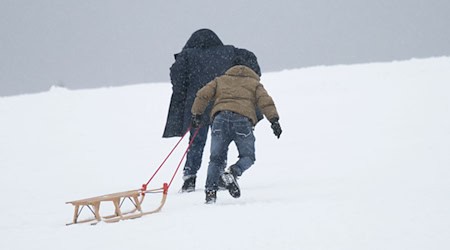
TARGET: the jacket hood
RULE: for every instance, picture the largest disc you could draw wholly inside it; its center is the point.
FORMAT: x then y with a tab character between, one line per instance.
202	39
242	71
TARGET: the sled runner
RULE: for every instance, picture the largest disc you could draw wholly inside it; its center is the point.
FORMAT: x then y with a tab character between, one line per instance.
136	197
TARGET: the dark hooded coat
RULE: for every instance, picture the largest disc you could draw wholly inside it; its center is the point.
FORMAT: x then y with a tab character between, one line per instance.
203	58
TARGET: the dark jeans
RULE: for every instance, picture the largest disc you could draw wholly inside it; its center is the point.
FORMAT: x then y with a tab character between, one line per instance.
195	153
227	127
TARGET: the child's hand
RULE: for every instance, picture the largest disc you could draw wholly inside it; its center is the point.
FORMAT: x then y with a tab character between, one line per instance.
276	127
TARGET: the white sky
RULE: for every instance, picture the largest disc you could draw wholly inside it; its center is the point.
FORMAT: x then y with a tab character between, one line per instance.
83	44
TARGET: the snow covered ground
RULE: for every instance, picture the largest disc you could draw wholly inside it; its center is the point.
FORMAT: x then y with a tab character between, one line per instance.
363	163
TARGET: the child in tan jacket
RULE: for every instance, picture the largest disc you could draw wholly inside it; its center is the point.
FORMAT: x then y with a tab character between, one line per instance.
236	95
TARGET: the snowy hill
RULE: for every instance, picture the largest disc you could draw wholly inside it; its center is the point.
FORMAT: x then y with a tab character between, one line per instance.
363	163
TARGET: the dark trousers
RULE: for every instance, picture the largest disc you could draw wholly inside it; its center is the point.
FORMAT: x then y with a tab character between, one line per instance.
195	153
227	127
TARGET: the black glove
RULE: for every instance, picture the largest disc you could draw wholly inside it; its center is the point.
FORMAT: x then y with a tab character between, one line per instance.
196	121
276	127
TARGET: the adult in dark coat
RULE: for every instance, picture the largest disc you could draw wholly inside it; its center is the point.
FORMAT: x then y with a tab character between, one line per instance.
203	58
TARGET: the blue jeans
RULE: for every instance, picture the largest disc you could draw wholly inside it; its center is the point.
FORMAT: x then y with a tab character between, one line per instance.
227	127
195	153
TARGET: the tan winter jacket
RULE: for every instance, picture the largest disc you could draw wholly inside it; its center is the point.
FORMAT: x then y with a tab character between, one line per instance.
238	90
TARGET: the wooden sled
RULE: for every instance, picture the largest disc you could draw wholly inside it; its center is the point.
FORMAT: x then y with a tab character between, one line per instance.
135	196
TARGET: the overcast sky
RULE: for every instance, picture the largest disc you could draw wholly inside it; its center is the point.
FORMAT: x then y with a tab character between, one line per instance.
84	44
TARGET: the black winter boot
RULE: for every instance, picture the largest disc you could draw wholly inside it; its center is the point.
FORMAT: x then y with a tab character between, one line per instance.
189	184
231	184
211	196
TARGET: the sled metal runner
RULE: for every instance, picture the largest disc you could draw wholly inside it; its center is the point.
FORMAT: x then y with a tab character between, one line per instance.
135	196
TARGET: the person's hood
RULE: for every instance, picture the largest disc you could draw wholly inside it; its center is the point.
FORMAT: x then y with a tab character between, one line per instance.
202	39
242	71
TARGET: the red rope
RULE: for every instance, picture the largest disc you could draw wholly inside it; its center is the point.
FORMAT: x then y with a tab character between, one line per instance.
184	155
144	186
